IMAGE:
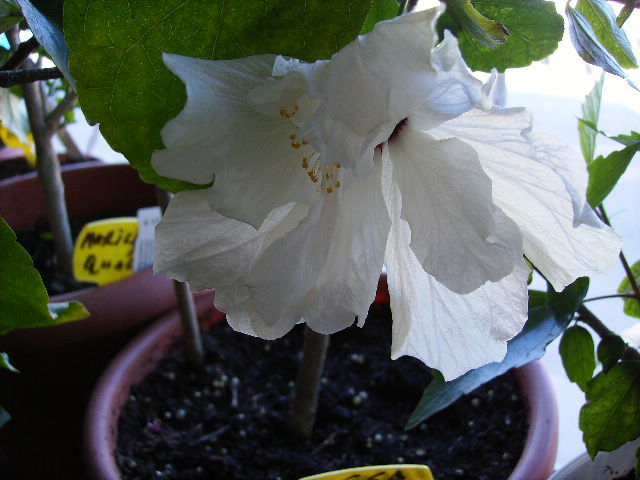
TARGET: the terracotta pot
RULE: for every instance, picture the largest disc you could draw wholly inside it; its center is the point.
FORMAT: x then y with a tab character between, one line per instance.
91	189
144	353
606	465
13	162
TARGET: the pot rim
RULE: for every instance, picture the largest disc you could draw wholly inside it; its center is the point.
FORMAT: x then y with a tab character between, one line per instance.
146	350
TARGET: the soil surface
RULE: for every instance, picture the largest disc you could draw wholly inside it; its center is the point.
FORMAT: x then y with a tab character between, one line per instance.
226	419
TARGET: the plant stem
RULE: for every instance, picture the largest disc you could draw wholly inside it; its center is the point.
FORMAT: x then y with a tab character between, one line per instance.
9	78
21	53
587	316
186	306
66	104
604	297
305	401
625	13
623	260
50	177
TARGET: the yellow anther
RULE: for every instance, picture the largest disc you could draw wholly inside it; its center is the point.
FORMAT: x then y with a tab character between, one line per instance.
338	165
305	163
292	137
295	107
295	145
337	184
282	112
329	190
304	142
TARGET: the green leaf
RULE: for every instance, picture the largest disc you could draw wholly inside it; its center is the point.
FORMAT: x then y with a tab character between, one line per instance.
6	364
590	113
577	353
67	311
24	301
4	416
537	299
489	33
9	14
588	46
603	21
541	328
567	302
604	173
611	416
123	84
631	305
534	27
47	31
380	10
610	350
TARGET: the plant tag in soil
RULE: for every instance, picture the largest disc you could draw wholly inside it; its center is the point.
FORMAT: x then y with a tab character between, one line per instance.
378	472
145	249
103	252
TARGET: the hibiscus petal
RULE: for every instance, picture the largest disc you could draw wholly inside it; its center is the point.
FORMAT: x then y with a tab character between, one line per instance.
220	135
448	331
540	199
458	234
333	260
391	75
209	250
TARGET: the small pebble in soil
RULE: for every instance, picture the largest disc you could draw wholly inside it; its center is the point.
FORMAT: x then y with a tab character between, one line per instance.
475	402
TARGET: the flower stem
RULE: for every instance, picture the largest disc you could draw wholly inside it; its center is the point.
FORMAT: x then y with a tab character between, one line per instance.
305	401
587	316
50	176
186	306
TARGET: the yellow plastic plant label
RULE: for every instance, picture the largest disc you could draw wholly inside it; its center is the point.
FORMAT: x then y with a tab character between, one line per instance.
377	472
103	252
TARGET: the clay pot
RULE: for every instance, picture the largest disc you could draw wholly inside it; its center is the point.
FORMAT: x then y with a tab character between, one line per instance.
142	355
606	465
116	309
13	162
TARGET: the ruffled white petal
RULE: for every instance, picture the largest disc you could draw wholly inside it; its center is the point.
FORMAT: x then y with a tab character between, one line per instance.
535	196
458	234
220	135
448	331
390	75
209	250
326	270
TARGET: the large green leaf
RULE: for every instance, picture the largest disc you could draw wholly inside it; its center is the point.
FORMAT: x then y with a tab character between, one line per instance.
604	172
570	299
590	113
483	30
541	328
603	21
578	357
123	84
24	301
631	305
534	27
611	416
47	31
585	40
610	349
380	10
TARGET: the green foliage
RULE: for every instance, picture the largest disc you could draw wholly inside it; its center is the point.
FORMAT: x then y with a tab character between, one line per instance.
489	33
9	14
380	10
570	299
123	84
603	22
534	27
610	350
541	328
4	417
23	297
586	42
631	305
537	298
48	32
578	357
611	416
590	113
6	364
604	172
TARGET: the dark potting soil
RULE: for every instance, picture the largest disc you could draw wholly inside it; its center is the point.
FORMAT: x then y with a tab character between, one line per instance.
225	421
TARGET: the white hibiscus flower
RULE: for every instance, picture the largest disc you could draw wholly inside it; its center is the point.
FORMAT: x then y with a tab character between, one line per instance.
389	152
